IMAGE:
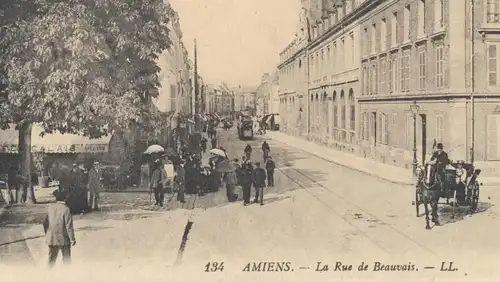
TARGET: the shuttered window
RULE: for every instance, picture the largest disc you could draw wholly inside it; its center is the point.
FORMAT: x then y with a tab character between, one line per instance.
492	65
393	130
493	137
409	132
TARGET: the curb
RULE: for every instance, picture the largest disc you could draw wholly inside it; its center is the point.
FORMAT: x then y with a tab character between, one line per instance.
369	173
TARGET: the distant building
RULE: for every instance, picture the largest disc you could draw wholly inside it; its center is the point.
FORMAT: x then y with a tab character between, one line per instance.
244	99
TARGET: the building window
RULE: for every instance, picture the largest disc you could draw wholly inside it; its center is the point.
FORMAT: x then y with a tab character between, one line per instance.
342	55
439	129
374	38
438	14
334	58
382	129
406	25
335	112
394	29
353	53
366	84
352	110
383	35
439	67
365	126
322	65
328	61
342	110
374	78
383	74
492	65
405	71
394	123
366	43
173	96
493	11
421	18
390	71
422	58
409	132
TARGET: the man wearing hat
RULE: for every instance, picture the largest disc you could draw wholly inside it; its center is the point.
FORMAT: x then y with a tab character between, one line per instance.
259	182
440	157
158	180
270	166
94	186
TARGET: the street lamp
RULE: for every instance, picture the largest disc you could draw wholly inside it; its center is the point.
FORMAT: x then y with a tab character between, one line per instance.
414	109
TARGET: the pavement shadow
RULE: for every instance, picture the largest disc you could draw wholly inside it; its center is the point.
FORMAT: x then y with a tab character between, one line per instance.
446	212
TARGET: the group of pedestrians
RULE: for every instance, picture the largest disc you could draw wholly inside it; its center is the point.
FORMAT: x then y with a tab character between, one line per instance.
252	174
80	187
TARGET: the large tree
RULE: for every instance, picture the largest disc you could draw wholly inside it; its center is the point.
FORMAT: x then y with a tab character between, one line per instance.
81	66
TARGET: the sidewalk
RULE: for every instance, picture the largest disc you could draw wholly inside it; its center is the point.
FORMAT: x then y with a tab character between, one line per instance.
386	172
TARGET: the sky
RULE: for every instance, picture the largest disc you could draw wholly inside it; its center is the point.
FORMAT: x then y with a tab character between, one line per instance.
238	40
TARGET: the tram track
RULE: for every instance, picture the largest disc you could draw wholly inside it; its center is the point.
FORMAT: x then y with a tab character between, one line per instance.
289	171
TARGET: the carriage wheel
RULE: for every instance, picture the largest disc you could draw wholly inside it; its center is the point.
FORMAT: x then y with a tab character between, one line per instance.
475	198
418	200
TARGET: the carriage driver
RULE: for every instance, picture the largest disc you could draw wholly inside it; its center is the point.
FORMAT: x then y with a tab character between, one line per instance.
440	157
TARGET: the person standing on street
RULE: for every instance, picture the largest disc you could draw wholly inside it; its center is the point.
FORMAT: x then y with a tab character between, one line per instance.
158	179
180	181
59	231
270	167
231	181
94	186
248	152
204	144
265	150
259	182
246	182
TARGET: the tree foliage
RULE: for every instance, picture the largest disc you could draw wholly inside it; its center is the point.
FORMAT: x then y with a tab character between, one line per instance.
81	66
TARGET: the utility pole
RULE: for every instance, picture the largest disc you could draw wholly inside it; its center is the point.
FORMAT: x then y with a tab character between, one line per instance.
196	90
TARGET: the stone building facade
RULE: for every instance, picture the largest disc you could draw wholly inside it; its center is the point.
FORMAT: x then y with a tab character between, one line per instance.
364	63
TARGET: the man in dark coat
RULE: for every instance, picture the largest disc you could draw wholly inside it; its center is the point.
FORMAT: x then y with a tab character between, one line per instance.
180	181
246	182
265	150
441	159
259	182
270	166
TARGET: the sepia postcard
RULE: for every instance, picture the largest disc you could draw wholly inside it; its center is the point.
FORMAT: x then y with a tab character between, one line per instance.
249	140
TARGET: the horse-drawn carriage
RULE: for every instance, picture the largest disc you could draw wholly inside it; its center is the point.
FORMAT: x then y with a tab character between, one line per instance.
457	181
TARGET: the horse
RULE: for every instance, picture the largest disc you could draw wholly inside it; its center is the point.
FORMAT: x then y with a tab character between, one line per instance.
430	185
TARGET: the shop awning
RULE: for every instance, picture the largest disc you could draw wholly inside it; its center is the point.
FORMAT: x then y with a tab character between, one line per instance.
54	143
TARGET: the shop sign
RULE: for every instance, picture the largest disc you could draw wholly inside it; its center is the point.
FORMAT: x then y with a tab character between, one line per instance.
70	148
8	148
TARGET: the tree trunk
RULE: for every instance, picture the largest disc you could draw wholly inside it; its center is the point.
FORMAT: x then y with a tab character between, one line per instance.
28	194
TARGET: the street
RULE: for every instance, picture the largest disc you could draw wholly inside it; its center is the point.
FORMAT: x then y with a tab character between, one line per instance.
318	214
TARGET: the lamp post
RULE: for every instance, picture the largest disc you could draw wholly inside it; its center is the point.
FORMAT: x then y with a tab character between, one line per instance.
414	109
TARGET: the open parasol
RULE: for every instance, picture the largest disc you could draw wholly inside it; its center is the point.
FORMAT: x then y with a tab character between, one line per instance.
153	149
218	152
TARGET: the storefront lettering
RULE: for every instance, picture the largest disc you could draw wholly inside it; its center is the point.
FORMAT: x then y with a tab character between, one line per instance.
8	148
71	148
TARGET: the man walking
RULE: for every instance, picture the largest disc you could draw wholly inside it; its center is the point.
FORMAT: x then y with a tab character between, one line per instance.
59	232
94	186
158	179
265	150
259	181
270	167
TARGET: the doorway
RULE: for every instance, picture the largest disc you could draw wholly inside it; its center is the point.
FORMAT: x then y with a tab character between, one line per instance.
423	119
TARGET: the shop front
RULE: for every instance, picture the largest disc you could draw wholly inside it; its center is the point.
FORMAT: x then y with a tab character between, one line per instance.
50	151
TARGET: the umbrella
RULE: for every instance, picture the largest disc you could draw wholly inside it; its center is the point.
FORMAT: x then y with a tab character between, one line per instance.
225	166
218	152
154	149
